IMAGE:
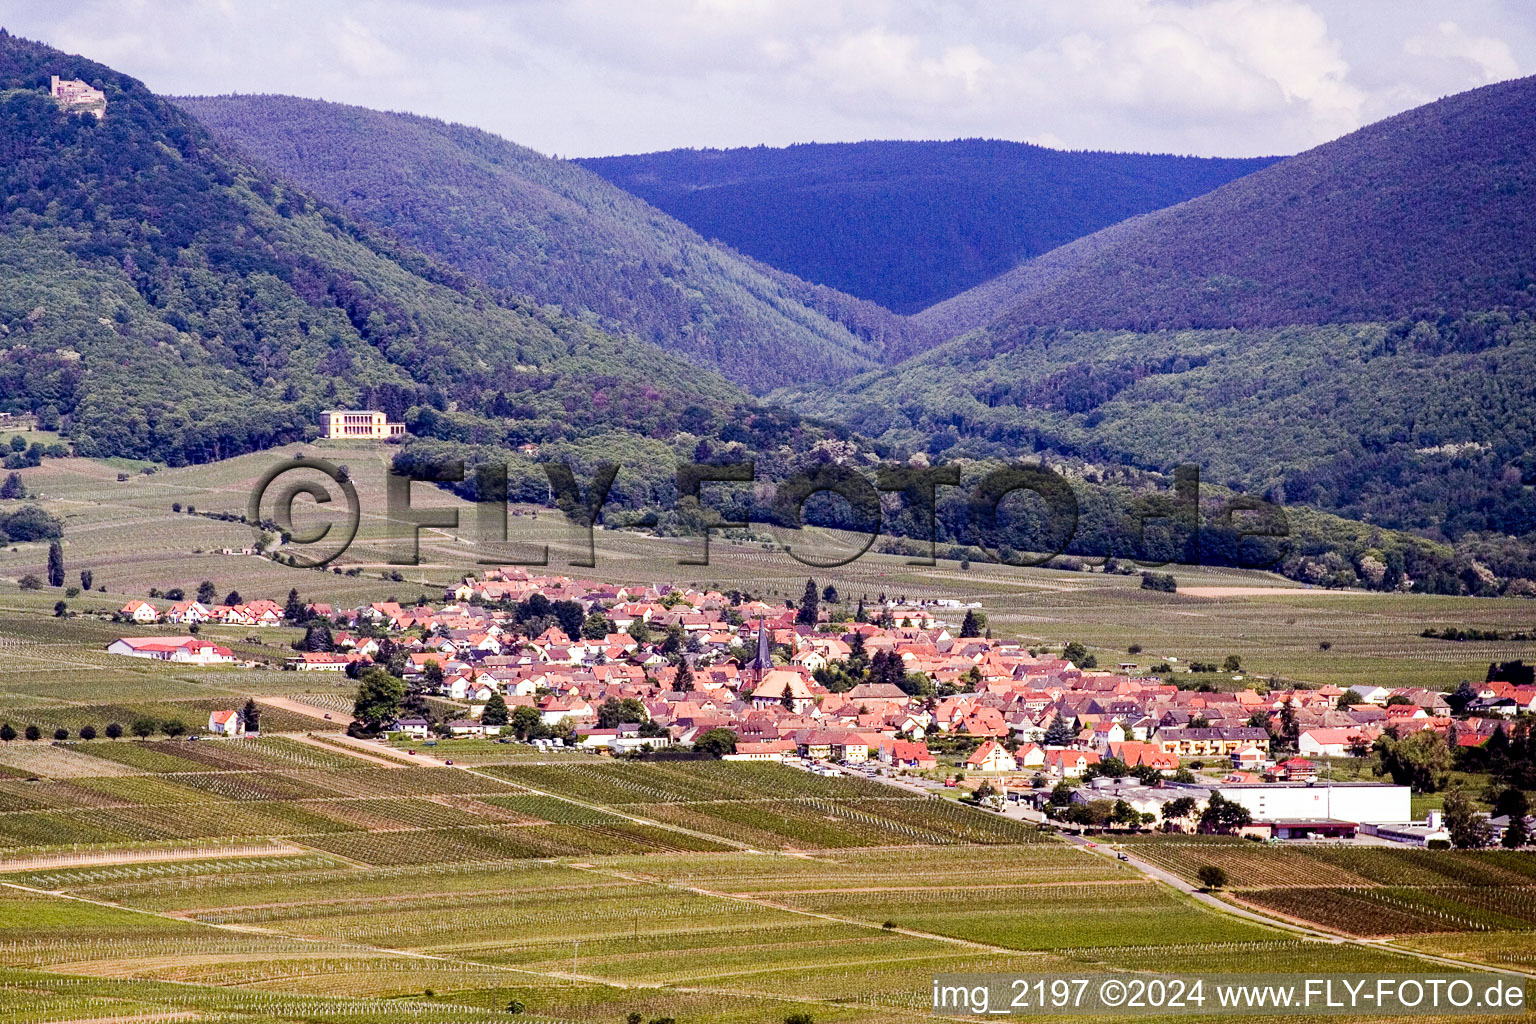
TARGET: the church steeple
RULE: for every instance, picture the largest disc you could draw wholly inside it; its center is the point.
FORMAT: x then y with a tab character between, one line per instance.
764	659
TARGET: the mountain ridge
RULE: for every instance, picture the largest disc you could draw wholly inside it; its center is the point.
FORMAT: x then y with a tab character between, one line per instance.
556	232
1341	233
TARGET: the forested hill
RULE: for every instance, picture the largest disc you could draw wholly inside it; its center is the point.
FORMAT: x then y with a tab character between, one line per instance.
560	234
1428	215
169	300
907	224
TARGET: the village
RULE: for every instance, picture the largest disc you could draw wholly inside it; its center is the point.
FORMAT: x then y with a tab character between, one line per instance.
918	693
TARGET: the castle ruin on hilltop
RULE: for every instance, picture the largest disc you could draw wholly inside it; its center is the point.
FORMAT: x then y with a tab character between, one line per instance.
73	94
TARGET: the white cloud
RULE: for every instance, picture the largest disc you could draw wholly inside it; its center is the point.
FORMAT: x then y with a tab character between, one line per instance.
1492	57
594	76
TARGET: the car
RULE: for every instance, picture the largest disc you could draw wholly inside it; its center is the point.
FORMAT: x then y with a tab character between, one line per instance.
448	760
411	752
327	717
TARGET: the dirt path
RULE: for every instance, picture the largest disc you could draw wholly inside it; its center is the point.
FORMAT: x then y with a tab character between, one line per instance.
298	707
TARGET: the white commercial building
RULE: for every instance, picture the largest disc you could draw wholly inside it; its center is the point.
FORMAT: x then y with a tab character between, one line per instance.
1359	802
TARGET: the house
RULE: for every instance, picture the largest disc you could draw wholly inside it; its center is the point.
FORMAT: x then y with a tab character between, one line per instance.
416	728
1069	764
187	613
226	723
466	727
140	611
991	756
1210	741
1136	755
908	754
1330	742
762	750
183	649
359	423
1296	769
318	661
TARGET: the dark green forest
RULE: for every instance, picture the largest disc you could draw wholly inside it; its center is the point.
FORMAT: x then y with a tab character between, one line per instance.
558	234
907	224
1428	215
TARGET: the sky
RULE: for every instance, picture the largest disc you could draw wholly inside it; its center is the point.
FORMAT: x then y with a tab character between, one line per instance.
598	77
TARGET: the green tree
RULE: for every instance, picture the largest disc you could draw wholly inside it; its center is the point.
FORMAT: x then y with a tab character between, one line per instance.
250	715
7	732
293	609
1078	655
143	727
717	742
379	695
114	731
1223	815
13	487
87	732
495	712
55	564
1212	876
1232	664
526	722
86	579
970	627
206	592
1513	802
30	582
613	712
596	626
1421	760
33	733
173	727
809	605
1467	826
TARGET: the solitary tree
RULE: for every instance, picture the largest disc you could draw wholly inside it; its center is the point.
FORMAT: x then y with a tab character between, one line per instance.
970	627
809	605
378	699
205	592
7	732
61	733
33	733
1211	876
55	564
495	712
114	730
86	579
250	715
143	728
233	598
87	732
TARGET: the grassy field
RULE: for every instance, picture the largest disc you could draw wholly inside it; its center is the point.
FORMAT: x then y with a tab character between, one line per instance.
126	533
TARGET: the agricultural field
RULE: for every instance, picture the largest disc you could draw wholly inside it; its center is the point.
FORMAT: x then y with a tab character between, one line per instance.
1377	891
126	532
274	878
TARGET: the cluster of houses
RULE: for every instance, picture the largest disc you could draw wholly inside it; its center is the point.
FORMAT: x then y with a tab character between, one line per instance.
701	661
